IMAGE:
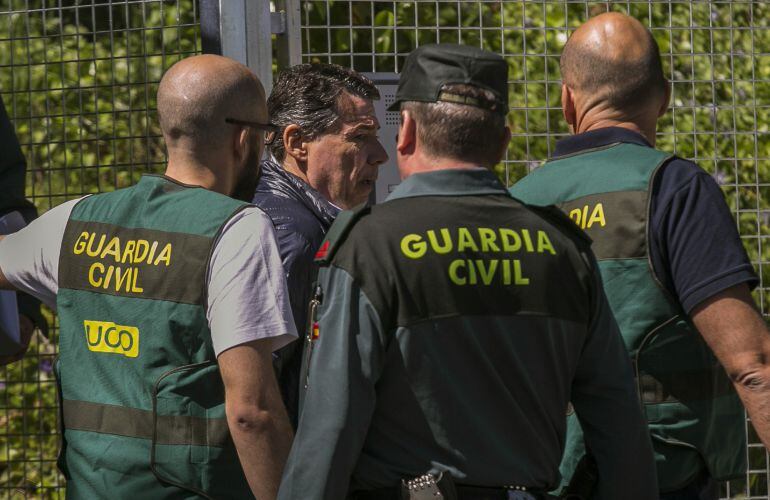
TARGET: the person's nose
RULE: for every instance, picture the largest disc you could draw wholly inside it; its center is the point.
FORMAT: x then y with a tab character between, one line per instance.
379	155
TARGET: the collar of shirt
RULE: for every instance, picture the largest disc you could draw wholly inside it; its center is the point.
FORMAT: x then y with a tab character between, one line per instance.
596	139
449	182
275	179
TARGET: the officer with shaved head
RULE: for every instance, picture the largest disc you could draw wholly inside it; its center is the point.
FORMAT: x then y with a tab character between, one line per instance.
165	366
675	272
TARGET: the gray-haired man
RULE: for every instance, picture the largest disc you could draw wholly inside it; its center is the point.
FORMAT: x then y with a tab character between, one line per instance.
324	158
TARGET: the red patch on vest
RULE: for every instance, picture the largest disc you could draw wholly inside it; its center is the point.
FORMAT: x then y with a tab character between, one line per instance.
321	253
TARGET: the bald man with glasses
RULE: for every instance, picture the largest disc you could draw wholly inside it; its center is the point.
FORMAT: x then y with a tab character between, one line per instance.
165	369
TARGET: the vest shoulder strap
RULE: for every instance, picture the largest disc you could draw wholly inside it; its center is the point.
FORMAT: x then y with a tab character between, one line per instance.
617	167
339	232
555	216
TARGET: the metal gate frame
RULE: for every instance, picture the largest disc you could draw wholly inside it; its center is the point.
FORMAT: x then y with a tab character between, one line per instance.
254	33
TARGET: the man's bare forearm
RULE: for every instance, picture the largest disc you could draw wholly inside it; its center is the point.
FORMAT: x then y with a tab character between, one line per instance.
737	334
263	440
754	391
256	416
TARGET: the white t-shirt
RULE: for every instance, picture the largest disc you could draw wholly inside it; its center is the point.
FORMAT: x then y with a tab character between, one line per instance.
247	295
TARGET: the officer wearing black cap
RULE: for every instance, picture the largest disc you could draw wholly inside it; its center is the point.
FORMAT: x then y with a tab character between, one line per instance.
452	324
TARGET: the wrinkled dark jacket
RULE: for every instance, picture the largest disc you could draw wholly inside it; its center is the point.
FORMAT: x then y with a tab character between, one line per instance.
301	217
13	168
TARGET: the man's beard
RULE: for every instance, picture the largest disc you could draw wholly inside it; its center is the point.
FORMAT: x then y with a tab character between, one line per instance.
248	180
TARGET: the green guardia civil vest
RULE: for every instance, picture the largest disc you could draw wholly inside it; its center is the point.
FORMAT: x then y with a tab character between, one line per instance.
141	396
693	412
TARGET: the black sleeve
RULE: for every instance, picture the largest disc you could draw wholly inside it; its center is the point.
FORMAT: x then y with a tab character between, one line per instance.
29	306
695	247
12	171
12	198
341	395
607	405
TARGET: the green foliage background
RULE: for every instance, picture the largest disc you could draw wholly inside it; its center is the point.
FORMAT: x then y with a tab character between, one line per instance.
79	79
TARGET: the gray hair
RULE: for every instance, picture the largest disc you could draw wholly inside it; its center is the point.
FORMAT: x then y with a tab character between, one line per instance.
307	95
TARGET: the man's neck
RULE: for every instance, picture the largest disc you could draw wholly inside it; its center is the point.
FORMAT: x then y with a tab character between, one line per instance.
634	127
596	117
195	173
420	163
290	165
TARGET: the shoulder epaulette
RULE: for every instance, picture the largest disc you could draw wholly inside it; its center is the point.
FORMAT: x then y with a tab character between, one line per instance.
338	232
558	218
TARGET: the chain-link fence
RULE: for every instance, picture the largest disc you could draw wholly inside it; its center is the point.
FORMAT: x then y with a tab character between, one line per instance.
79	80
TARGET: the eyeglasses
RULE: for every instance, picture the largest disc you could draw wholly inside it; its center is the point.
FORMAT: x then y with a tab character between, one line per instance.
270	130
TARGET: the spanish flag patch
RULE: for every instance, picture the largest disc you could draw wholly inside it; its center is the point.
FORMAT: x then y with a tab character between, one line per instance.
316	331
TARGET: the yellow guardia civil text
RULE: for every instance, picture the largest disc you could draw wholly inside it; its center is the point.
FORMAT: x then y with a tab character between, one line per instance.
587	216
479	271
117	265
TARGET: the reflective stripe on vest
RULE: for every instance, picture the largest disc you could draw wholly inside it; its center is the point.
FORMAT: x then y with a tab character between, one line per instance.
132	422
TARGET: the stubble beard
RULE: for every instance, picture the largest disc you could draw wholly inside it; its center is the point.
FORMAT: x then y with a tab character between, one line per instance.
249	179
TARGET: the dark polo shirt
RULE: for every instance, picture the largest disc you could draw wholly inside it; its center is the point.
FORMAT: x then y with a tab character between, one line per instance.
694	243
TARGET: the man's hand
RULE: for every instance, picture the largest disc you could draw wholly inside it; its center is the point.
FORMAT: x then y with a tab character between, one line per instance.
735	331
27	328
255	414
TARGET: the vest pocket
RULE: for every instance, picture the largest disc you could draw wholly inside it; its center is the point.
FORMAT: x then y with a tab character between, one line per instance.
188	422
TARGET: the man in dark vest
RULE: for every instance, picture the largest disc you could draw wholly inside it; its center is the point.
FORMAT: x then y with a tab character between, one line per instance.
324	158
171	299
674	269
452	324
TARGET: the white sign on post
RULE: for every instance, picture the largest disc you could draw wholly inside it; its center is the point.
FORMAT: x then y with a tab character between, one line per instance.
387	177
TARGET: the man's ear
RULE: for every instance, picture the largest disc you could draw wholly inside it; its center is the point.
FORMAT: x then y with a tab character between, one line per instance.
407	134
293	143
504	144
568	106
666	100
241	144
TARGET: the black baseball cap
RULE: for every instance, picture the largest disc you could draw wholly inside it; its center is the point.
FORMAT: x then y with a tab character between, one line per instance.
429	67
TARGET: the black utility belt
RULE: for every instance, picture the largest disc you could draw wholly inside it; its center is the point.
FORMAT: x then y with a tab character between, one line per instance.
463	492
